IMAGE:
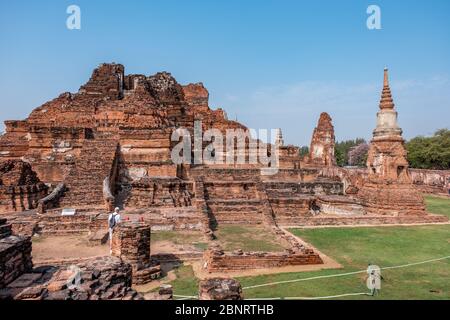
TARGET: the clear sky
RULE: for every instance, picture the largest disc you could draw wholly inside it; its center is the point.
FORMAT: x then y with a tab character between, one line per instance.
269	63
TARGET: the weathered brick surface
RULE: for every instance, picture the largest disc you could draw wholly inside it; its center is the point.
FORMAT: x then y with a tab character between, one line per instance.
20	188
321	151
431	181
159	192
220	289
368	219
15	258
96	162
131	243
101	278
219	261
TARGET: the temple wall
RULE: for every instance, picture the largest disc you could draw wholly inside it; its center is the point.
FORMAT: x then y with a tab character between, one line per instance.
431	181
15	254
21	198
427	181
149	192
231	190
257	260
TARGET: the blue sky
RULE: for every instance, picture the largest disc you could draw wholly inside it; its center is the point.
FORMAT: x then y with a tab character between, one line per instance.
269	63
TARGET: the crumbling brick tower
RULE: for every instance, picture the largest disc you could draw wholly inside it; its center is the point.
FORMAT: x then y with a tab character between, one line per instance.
389	188
321	151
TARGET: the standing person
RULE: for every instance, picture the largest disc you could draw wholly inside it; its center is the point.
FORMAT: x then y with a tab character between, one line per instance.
113	220
374	279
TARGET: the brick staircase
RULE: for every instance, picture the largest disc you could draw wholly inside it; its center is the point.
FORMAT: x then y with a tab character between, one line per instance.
84	184
233	198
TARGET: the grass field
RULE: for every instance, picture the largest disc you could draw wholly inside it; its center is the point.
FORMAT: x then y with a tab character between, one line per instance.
247	238
354	248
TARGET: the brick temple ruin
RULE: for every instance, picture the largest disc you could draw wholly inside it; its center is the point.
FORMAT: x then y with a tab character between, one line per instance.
110	145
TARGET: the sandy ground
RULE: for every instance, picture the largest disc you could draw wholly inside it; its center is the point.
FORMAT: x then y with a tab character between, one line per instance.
51	248
168	247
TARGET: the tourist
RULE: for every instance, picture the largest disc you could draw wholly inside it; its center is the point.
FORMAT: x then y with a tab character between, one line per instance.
374	279
113	220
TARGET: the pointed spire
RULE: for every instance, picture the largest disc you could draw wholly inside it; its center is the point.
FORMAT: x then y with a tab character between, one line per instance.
386	101
279	138
386	77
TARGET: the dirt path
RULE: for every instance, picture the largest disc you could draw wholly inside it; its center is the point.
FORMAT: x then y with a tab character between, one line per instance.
168	247
51	248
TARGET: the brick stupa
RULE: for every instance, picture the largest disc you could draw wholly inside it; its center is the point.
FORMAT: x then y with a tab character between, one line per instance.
389	188
321	151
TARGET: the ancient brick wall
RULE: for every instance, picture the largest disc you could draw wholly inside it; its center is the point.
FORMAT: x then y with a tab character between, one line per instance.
96	162
367	219
217	261
53	223
157	192
294	175
20	188
15	254
101	278
431	181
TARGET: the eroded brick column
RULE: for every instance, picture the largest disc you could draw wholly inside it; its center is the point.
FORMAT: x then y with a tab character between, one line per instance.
131	243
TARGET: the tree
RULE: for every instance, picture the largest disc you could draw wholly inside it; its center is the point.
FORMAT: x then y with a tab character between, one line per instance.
342	148
304	151
357	156
430	152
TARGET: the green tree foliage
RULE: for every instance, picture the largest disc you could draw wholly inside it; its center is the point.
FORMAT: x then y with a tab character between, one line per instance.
304	151
430	152
342	148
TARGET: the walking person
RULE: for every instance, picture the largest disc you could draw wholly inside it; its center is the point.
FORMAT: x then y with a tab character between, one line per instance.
113	220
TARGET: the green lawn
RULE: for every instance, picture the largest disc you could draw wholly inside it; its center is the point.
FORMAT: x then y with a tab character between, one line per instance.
354	248
438	205
247	238
180	238
186	284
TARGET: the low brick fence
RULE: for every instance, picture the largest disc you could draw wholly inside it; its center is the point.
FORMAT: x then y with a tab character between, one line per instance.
219	261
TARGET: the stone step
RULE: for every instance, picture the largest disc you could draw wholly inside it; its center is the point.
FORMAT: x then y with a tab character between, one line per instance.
85	181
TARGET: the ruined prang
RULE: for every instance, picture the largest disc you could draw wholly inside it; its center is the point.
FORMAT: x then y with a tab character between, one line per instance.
321	151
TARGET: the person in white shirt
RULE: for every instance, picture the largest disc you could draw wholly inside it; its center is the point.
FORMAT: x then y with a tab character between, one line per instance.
113	220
